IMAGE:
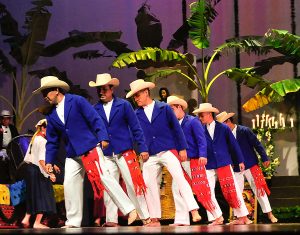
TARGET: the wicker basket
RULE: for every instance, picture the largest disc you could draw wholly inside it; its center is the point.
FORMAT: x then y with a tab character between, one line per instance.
166	196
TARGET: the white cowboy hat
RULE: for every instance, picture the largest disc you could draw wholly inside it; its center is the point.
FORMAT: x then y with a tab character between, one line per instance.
138	85
41	122
222	117
104	79
172	99
51	81
6	113
206	107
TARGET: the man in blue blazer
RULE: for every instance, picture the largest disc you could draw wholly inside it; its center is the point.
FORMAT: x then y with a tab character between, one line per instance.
74	119
164	137
195	164
250	145
221	147
124	131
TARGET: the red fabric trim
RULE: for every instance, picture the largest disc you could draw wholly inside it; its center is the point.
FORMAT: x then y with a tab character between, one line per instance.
259	180
135	171
92	167
228	187
41	134
200	185
186	175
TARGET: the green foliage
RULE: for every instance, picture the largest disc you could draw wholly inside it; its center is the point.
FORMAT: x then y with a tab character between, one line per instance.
27	47
266	137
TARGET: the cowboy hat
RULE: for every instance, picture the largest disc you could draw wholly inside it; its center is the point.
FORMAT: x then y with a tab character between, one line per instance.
172	99
51	81
138	85
41	122
6	113
104	79
206	107
222	117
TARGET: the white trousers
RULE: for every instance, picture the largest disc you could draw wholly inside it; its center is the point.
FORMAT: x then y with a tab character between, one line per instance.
73	189
115	165
152	169
262	200
182	215
239	212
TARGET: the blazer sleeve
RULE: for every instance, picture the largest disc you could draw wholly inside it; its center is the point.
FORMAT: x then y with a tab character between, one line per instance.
176	128
135	128
252	138
94	120
199	137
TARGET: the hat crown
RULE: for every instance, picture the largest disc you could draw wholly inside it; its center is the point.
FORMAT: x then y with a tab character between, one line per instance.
103	78
136	83
205	106
5	113
48	79
221	115
41	122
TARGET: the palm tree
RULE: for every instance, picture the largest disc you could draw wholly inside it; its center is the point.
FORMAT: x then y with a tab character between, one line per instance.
26	48
196	28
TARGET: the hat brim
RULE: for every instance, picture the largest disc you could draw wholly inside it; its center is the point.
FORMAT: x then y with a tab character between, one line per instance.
60	84
7	116
145	85
206	110
225	117
114	82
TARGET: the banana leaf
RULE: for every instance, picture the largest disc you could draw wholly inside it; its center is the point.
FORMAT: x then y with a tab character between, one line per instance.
78	39
5	65
283	42
199	30
247	77
90	54
275	92
147	55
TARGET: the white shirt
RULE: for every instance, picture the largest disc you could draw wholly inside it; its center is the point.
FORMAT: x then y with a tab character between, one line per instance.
234	130
107	108
60	109
6	136
148	109
180	121
211	128
38	152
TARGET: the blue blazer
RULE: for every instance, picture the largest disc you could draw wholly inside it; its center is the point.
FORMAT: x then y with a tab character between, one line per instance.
222	148
195	137
123	127
82	131
164	131
248	142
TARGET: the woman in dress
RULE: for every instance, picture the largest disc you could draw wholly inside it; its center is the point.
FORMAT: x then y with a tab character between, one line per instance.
39	190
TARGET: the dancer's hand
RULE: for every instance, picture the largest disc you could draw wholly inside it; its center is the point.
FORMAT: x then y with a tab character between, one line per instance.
242	166
182	155
144	156
104	144
49	168
56	169
202	161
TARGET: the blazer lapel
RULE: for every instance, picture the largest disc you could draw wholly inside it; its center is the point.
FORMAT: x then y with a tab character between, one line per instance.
141	115
67	107
114	109
156	111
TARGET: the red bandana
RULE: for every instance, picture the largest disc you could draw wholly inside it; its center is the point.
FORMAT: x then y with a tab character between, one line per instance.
259	180
228	187
200	185
135	171
92	167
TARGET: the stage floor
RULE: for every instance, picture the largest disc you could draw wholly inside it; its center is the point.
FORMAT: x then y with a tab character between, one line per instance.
284	228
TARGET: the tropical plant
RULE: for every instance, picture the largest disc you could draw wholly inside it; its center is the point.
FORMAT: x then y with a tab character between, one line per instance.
196	28
26	48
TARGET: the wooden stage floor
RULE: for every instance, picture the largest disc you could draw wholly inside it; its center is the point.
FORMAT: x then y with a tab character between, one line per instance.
284	228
